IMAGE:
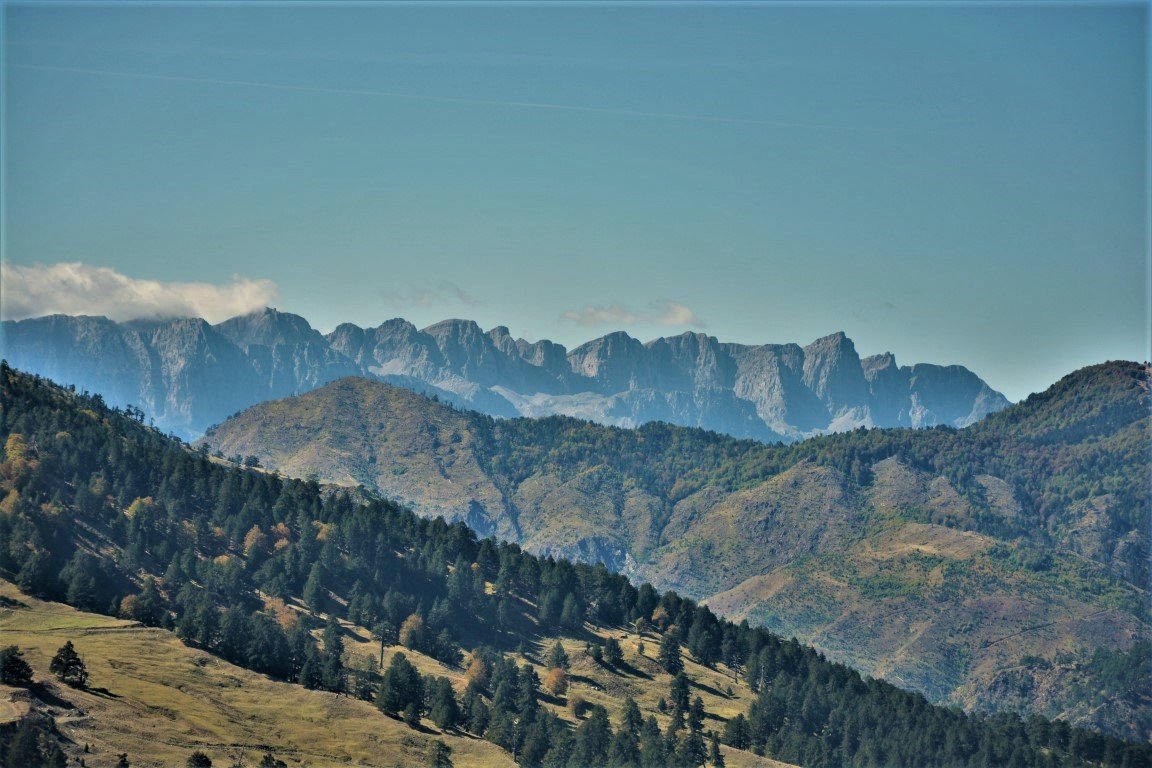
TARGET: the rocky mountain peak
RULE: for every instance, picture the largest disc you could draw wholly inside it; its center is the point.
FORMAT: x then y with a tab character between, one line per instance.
876	364
269	327
615	361
833	372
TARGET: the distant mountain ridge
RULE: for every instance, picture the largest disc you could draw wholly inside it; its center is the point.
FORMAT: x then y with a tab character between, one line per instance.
187	374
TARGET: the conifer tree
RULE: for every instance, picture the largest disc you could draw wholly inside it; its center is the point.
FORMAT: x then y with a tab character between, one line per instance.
315	596
651	745
332	665
401	688
593	739
69	667
715	757
13	669
632	720
557	657
442	706
441	756
613	653
680	692
669	657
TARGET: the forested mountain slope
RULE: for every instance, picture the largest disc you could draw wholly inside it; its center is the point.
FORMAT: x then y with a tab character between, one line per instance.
983	566
284	578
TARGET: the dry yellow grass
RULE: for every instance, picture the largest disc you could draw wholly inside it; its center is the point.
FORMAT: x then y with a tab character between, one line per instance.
639	677
158	700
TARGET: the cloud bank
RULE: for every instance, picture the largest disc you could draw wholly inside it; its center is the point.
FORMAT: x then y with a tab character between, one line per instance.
664	312
74	288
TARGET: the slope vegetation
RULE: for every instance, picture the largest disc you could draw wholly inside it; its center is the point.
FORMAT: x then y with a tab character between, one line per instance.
306	586
156	699
941	559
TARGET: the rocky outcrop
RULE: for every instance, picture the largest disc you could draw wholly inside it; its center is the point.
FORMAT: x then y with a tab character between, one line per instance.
187	374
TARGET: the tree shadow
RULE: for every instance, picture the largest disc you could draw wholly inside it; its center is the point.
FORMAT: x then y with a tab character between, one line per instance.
49	697
586	681
709	689
624	668
548	698
103	693
418	727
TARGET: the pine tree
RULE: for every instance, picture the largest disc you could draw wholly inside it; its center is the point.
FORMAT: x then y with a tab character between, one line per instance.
13	669
311	673
736	733
26	748
624	751
593	739
651	745
680	692
632	720
669	656
442	706
571	617
401	688
557	657
315	595
441	756
715	757
69	667
613	653
332	665
199	760
696	713
476	712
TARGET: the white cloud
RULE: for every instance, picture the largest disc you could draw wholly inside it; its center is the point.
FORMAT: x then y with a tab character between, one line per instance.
675	313
664	312
427	294
592	316
74	288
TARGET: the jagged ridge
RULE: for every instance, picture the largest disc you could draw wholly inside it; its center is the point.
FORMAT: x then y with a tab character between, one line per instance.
187	374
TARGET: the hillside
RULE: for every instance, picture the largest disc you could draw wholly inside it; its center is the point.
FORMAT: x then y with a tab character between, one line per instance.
305	586
157	699
940	559
186	374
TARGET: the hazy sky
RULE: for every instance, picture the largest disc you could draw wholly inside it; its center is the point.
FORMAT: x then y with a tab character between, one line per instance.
951	183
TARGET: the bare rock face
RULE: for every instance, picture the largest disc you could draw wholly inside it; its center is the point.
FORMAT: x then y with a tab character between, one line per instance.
832	370
187	374
613	363
771	376
287	354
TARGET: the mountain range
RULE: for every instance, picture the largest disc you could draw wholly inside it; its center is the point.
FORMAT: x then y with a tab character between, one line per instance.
1003	565
187	374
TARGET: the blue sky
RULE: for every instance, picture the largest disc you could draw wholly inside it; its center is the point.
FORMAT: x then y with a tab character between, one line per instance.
951	183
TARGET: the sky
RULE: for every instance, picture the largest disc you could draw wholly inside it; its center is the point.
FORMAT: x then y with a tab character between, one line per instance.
952	183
